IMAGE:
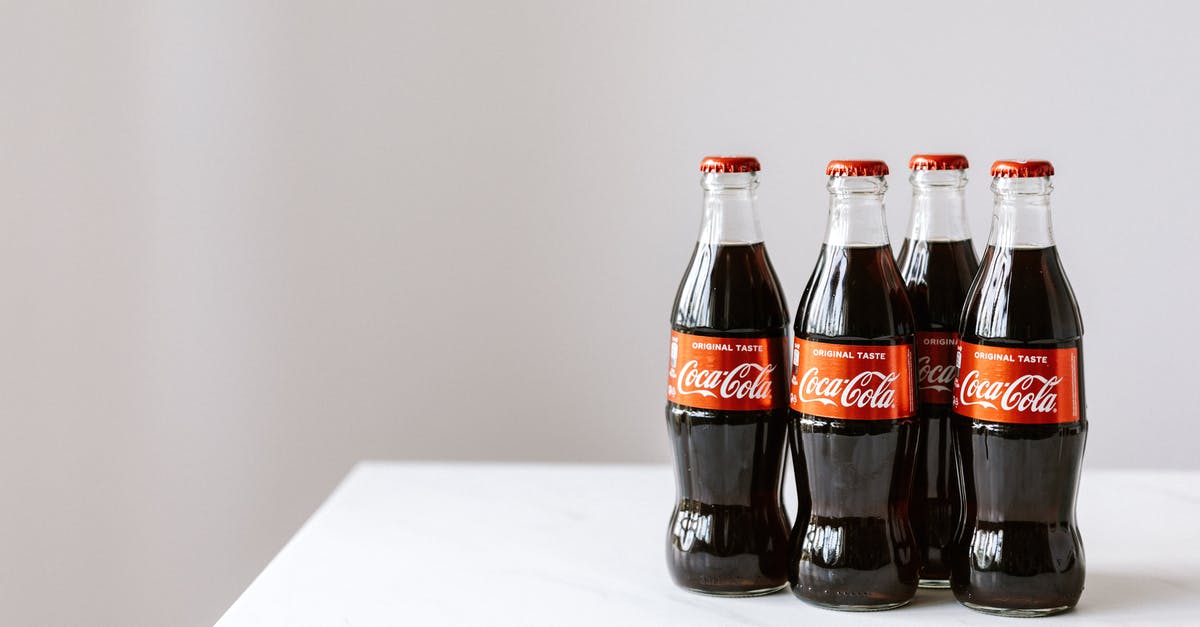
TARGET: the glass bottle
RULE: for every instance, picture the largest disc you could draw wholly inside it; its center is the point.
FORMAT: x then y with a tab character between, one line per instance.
937	262
1019	412
726	399
853	409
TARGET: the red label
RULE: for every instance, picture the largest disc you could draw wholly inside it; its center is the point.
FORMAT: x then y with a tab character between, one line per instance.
935	366
1017	385
738	374
852	382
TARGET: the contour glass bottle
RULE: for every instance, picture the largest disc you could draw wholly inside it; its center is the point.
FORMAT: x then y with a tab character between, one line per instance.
1020	414
937	262
726	399
853	412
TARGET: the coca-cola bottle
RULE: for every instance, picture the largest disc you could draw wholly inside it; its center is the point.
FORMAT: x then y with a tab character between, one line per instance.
726	398
1020	418
853	409
937	262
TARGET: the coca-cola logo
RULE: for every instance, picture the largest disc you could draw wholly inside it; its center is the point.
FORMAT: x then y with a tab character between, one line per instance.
869	388
746	380
1027	393
931	376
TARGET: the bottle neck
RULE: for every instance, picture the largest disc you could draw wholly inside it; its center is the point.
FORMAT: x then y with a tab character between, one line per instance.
1021	218
939	207
730	214
856	215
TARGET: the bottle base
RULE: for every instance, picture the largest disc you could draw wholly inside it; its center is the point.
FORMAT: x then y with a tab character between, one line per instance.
935	584
755	592
1018	612
856	608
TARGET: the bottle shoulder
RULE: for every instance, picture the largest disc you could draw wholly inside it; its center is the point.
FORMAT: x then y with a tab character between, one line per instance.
1022	296
731	290
854	294
937	276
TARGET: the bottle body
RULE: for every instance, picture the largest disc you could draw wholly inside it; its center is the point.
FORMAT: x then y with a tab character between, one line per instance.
1020	418
937	263
852	417
726	414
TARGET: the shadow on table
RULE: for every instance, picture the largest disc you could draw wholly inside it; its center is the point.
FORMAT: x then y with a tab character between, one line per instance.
1109	591
1105	592
928	597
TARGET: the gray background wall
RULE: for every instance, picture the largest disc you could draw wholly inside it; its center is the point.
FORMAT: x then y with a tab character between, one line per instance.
245	244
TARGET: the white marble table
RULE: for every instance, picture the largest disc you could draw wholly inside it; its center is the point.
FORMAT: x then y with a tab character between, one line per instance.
504	544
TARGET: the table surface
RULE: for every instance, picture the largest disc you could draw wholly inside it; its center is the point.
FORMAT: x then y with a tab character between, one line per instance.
549	544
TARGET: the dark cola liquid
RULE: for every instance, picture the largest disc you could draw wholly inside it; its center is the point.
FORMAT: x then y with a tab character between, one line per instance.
853	547
937	275
1022	553
728	533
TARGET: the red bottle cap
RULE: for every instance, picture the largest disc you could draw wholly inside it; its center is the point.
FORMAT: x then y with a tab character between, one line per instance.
839	167
722	165
938	162
1012	169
